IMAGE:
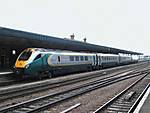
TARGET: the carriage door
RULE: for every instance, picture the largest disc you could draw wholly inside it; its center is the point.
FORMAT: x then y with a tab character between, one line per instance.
96	60
99	61
58	59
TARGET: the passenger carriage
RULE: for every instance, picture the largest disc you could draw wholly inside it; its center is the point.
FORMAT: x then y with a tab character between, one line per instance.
46	62
38	62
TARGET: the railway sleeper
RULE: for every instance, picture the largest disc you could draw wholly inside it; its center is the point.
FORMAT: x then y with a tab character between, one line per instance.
120	106
129	96
33	107
26	109
19	112
117	109
123	102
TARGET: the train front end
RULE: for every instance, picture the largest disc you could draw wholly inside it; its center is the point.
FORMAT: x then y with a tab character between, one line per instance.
22	63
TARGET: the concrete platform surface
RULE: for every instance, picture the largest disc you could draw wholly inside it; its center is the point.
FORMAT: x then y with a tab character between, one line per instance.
5	71
144	105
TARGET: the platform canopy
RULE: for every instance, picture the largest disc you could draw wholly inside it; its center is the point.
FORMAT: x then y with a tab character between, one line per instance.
22	39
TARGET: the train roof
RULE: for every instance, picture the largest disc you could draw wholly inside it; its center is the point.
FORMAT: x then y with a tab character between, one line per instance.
107	54
51	51
9	37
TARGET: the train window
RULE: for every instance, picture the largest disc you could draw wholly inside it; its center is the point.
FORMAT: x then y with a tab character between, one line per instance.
81	58
77	58
58	58
86	58
71	58
103	58
90	58
25	55
94	58
99	58
37	57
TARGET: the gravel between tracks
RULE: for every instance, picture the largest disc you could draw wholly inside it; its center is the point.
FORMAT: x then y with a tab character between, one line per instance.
68	77
92	100
53	90
24	98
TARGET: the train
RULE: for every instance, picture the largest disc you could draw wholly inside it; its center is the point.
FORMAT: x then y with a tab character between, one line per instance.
40	62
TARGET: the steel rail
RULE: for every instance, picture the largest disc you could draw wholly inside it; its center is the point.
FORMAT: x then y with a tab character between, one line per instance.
14	81
24	91
102	72
100	109
138	100
58	97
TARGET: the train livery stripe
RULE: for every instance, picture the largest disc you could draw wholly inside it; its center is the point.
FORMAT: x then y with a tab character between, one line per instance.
21	64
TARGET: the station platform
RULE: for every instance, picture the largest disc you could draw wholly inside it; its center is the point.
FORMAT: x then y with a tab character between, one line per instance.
5	71
144	105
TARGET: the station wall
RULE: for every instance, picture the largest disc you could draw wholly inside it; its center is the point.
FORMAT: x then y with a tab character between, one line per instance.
8	57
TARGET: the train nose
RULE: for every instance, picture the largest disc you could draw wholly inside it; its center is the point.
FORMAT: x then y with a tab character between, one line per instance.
18	71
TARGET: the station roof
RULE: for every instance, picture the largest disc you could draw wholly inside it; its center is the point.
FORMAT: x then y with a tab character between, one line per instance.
26	39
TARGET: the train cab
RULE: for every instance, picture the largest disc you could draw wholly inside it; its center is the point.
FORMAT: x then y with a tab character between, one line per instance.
24	60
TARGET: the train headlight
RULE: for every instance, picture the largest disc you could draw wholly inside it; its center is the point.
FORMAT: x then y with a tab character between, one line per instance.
27	66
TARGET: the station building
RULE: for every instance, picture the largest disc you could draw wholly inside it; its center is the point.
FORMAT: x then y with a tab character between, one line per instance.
12	42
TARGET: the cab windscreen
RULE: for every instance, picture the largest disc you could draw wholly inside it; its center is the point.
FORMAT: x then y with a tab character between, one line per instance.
25	55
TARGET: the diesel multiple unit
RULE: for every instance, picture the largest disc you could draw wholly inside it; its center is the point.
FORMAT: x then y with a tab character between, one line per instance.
38	62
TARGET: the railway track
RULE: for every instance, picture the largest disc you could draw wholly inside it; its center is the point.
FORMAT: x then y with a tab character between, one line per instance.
8	79
127	100
41	103
33	88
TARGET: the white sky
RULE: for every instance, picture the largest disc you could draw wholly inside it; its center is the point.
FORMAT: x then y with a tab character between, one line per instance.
123	24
